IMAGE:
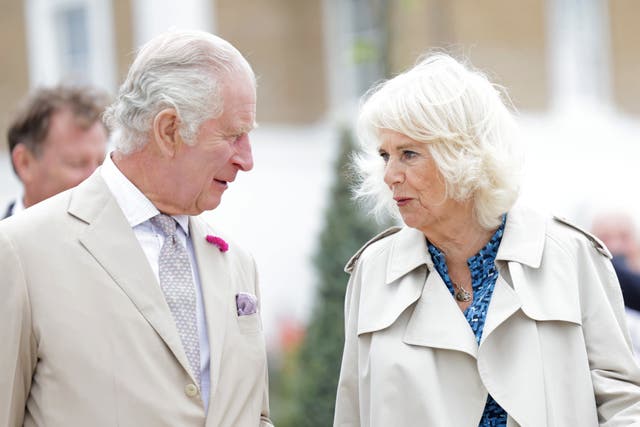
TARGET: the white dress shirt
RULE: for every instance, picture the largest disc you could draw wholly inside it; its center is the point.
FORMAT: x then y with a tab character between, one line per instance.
138	210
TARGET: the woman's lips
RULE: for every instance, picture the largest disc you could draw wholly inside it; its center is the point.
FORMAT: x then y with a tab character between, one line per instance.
401	201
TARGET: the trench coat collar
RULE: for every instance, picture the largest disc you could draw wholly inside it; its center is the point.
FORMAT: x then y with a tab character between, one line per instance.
408	252
522	242
523	238
437	321
522	245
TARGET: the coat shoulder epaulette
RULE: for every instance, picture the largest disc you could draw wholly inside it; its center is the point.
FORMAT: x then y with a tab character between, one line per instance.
386	233
597	243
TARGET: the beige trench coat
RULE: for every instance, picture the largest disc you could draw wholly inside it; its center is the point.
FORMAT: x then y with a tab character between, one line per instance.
87	339
555	350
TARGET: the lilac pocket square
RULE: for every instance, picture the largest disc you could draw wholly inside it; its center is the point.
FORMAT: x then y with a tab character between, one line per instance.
246	303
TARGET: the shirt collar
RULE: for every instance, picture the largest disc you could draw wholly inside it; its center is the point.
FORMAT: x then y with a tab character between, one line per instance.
135	206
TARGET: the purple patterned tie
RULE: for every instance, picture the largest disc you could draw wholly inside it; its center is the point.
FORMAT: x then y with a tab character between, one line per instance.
176	281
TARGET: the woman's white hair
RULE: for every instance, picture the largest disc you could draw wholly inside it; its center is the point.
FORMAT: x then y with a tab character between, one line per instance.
469	132
183	70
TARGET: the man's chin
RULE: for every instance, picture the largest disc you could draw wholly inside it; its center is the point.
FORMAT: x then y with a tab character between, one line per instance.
207	205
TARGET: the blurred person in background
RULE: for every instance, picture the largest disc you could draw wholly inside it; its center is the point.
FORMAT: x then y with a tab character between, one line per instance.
56	140
619	232
478	311
118	305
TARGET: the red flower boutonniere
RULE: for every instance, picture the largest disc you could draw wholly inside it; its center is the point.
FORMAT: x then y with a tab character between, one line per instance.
219	242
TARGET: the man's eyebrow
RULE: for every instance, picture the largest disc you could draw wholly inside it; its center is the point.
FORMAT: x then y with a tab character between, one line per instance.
253	126
242	129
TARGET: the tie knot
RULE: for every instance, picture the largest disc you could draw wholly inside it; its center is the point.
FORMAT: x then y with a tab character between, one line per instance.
166	223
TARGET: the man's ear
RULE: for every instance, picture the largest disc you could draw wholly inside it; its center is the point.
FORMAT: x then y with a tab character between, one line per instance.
165	131
23	162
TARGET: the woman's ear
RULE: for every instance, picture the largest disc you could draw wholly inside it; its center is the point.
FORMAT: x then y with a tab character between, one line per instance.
165	131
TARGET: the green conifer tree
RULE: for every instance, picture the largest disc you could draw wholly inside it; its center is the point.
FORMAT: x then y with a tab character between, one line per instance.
346	228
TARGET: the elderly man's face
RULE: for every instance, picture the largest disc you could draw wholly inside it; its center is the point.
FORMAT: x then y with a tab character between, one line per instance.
222	149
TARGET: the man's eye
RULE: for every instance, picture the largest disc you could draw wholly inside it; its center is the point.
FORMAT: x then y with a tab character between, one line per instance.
385	156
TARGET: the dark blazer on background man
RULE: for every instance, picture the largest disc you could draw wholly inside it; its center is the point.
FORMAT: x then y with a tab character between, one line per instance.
9	210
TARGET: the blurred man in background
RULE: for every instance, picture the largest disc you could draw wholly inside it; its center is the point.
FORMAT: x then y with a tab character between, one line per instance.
619	232
56	139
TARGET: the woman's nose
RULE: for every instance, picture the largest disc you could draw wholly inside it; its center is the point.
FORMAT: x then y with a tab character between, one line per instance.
392	173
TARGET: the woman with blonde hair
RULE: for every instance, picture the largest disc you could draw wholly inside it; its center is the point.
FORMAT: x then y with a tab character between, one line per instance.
478	311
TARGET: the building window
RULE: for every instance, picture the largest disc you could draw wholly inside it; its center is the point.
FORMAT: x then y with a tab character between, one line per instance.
579	43
369	41
73	43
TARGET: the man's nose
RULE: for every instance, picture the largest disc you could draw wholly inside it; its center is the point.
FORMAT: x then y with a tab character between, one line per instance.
243	158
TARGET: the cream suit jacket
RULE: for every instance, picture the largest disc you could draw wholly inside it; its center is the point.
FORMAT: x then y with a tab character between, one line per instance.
87	339
554	352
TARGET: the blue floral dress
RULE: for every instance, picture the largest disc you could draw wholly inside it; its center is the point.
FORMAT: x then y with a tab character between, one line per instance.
483	280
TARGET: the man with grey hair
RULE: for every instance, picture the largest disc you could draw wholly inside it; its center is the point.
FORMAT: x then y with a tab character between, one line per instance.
118	305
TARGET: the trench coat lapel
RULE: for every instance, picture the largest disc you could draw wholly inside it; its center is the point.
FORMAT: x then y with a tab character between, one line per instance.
404	280
504	303
509	357
436	320
509	354
110	240
522	244
215	279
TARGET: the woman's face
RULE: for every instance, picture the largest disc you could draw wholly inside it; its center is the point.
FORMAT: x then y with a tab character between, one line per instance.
417	185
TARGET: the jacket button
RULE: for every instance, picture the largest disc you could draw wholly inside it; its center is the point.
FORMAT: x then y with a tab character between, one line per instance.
191	390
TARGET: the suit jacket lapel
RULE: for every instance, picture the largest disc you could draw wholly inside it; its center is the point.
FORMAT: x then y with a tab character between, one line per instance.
215	281
111	241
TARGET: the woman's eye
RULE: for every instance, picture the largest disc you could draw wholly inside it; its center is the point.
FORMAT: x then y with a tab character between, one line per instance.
409	154
385	157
